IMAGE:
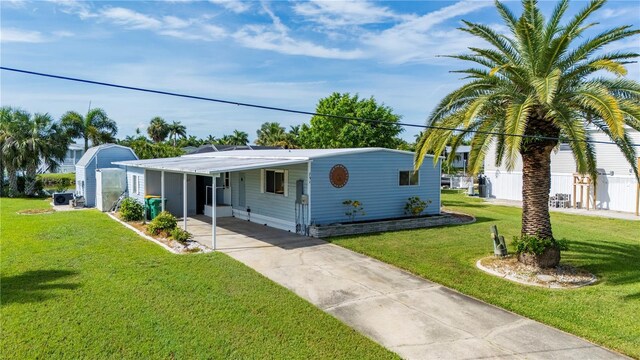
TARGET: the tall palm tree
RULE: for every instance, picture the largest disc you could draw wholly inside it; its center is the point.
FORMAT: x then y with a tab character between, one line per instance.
270	134
95	126
158	129
537	84
13	130
45	141
176	129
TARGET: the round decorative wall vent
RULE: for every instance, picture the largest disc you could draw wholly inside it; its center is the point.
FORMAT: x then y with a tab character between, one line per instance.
339	176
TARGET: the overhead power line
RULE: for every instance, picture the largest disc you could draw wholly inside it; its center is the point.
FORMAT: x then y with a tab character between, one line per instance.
292	111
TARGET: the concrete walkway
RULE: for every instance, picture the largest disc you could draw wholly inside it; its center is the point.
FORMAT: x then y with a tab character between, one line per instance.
598	212
413	317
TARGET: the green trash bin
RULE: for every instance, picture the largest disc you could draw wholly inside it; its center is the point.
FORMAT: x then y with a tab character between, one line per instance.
155	207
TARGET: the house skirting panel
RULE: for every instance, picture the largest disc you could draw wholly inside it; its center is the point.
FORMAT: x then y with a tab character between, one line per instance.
265	220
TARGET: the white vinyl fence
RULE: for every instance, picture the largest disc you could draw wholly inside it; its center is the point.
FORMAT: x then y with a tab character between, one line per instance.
614	192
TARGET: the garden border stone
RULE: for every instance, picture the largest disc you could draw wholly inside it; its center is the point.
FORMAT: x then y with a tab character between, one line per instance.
445	218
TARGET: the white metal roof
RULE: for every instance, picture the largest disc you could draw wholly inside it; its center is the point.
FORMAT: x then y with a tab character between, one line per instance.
237	160
306	154
207	165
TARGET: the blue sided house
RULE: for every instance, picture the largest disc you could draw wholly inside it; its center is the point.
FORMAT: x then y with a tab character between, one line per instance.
286	189
96	158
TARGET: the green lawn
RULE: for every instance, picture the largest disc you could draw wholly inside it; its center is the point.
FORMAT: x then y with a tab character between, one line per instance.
79	285
607	313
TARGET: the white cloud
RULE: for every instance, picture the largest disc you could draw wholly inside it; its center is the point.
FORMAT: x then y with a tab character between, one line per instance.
131	19
174	22
14	3
19	35
276	38
75	7
62	34
335	14
418	39
237	6
214	31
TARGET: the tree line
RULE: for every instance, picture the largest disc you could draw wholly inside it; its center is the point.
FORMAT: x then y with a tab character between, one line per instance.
29	142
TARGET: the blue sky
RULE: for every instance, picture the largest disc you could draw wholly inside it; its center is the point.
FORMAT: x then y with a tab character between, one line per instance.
284	54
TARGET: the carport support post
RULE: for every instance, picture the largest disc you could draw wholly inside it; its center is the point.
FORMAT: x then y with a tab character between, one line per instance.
213	213
162	201
184	200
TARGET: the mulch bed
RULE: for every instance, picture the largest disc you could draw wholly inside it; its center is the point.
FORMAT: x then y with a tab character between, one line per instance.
563	276
187	248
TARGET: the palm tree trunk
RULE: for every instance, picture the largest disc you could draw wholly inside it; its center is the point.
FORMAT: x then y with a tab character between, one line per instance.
536	184
30	179
86	143
13	180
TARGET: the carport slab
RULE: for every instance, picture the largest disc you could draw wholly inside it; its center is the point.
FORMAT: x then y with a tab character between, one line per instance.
411	316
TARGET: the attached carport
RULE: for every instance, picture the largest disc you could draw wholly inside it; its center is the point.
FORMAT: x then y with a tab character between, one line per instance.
212	166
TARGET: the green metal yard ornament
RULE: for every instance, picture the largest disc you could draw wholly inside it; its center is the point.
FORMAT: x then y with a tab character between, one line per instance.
499	245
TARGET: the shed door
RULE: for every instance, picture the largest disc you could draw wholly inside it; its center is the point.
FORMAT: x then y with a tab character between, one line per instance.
241	191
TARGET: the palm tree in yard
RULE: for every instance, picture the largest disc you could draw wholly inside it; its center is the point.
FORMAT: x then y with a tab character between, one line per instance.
158	129
13	124
539	83
95	126
45	141
176	129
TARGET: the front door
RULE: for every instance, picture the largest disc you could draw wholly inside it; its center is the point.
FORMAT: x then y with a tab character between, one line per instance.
241	191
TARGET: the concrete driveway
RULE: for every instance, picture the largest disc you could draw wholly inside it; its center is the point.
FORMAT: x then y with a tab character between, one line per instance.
413	317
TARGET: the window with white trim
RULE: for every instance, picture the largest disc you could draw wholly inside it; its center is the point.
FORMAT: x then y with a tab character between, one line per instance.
135	182
409	178
274	182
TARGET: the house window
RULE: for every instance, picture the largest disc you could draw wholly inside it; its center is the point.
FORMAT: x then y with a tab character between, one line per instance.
409	178
274	181
227	180
135	188
565	147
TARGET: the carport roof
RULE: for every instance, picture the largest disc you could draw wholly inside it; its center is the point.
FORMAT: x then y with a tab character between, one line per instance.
209	165
238	160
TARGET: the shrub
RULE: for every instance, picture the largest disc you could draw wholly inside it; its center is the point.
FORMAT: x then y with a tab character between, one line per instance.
415	206
131	210
536	245
354	208
180	235
163	222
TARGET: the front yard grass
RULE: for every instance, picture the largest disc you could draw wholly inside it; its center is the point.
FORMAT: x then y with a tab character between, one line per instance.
607	313
79	285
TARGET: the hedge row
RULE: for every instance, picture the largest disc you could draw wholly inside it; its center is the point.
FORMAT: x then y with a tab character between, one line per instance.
49	180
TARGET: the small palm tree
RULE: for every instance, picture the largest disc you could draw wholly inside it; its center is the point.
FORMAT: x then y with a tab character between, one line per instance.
270	134
239	138
95	126
211	140
158	129
537	85
176	129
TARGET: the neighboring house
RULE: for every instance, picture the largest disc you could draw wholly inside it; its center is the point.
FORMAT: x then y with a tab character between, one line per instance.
287	189
462	156
68	165
616	184
98	157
